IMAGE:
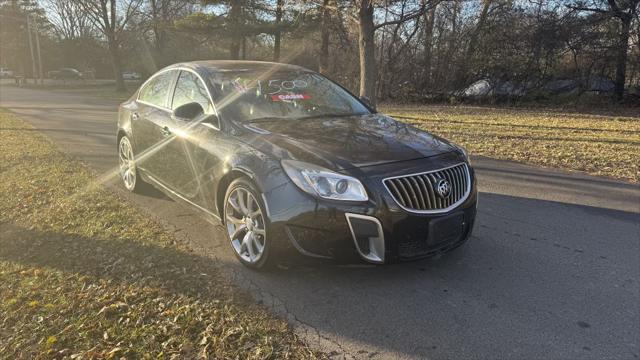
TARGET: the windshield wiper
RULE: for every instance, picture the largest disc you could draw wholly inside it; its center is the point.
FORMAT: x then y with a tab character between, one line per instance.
320	116
265	118
326	116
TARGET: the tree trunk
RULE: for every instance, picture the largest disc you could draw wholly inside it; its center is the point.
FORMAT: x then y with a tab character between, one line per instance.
33	58
158	32
116	63
482	19
324	44
429	18
450	74
278	34
234	50
235	14
381	86
367	51
621	56
244	47
470	52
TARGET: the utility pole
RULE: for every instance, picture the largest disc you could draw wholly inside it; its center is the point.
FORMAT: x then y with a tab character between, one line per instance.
33	59
38	51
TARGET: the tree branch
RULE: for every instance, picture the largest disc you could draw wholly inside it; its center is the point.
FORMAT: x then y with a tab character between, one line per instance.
581	8
402	19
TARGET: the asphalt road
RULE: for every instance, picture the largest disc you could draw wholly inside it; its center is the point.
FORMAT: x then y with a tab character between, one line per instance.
552	270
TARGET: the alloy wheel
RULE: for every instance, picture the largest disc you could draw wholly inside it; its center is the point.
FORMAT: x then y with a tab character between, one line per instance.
245	225
127	163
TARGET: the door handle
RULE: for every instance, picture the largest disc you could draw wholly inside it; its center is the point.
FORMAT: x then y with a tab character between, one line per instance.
166	131
135	116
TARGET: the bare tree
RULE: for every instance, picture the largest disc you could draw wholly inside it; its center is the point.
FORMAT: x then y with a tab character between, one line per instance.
277	36
473	40
388	48
366	45
395	42
159	15
429	19
68	20
452	42
366	50
325	34
624	11
111	17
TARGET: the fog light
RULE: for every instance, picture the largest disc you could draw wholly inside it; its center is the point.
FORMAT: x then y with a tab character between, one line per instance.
368	237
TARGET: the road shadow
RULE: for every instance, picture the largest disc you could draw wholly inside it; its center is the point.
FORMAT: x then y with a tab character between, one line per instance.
521	280
150	191
121	260
64	294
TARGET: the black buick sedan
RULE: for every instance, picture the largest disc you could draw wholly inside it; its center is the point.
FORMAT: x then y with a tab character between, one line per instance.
286	158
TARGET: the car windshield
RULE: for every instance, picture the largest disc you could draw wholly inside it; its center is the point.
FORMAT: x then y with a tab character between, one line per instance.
292	95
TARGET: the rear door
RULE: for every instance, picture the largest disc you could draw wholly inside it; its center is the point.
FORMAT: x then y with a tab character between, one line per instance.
150	125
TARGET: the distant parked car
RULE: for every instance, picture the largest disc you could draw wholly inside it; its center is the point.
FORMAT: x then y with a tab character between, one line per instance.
600	84
130	75
5	73
65	74
490	87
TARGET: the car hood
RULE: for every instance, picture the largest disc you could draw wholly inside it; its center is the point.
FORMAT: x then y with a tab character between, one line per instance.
343	142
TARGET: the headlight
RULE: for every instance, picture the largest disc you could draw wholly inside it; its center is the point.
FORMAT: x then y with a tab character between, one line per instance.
324	183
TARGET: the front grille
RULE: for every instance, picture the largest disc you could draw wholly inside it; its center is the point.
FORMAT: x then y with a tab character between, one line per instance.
418	192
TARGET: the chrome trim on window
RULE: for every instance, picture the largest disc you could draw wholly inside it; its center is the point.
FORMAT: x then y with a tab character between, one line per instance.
165	109
376	244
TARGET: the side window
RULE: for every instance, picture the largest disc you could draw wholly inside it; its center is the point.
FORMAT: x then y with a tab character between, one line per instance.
190	88
155	91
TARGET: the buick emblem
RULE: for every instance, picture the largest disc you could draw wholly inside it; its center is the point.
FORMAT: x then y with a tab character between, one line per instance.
443	188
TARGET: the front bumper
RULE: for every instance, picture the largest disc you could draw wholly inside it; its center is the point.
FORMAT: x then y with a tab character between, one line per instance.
379	230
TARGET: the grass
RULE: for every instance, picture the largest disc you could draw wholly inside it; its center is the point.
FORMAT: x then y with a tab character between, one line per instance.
599	144
85	275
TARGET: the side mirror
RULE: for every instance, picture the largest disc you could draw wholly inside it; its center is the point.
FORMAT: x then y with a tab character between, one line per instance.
188	112
367	102
193	111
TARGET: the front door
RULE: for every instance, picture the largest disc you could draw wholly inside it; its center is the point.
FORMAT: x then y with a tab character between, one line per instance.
189	136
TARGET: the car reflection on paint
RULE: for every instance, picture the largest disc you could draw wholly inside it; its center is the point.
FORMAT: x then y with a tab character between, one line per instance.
287	159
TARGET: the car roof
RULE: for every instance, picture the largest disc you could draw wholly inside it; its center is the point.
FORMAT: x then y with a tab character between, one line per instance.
236	65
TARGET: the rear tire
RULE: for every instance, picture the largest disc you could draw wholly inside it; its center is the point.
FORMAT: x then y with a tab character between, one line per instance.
247	225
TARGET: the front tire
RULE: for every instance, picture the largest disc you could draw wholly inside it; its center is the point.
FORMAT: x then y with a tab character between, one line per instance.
127	169
247	225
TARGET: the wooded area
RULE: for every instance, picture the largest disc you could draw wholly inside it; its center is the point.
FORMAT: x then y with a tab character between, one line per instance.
396	50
